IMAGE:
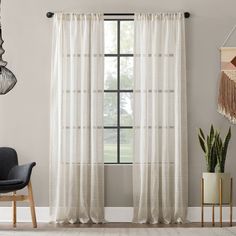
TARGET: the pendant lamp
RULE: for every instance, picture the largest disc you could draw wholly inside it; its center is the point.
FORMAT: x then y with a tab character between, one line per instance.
7	78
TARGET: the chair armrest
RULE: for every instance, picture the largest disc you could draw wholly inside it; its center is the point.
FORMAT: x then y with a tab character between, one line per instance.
22	172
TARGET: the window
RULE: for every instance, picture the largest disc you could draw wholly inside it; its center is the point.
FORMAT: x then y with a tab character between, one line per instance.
118	91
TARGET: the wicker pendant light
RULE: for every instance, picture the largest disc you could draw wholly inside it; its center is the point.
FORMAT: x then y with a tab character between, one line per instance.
7	78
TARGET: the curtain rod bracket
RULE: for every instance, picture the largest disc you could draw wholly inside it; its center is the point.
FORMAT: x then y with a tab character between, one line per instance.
51	14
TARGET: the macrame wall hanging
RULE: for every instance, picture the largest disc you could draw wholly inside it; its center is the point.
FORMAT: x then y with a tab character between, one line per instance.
7	78
227	88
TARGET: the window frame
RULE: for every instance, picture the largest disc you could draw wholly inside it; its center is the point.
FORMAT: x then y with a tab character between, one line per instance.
118	91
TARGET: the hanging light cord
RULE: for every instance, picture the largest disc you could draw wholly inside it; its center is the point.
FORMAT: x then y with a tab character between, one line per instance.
0	14
2	51
226	39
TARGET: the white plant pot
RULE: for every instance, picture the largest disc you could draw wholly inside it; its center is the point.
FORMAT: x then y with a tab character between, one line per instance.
212	187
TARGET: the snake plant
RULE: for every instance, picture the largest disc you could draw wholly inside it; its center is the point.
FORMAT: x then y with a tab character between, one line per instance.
215	149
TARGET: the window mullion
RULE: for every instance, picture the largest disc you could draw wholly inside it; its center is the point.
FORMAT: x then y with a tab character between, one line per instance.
118	91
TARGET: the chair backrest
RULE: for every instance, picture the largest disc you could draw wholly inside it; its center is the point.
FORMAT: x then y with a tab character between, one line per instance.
8	159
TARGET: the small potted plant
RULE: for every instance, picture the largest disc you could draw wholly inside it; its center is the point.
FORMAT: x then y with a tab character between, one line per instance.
215	154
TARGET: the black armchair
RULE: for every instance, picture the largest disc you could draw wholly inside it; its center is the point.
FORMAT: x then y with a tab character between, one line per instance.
14	177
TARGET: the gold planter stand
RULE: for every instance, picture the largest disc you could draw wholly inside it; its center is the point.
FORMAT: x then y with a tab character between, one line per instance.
230	204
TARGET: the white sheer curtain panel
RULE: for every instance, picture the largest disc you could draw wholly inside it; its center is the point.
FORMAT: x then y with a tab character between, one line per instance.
76	151
160	178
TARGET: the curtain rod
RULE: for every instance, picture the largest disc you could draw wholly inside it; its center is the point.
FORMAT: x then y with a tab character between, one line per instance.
51	14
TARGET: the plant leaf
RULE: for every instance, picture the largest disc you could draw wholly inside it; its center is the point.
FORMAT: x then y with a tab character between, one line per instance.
201	133
202	143
212	133
226	143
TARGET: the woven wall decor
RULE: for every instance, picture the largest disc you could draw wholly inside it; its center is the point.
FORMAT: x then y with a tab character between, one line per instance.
227	89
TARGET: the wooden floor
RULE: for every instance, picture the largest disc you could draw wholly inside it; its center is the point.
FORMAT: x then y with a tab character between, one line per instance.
45	226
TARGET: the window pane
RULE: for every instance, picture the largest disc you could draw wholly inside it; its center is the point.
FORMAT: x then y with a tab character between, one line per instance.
110	145
126	36
110	73
110	109
110	32
126	145
126	113
126	72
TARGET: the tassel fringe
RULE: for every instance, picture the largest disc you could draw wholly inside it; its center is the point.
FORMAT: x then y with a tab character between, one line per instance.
227	115
227	97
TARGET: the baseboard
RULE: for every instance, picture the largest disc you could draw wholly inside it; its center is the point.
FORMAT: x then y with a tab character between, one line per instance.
23	214
119	214
194	214
112	214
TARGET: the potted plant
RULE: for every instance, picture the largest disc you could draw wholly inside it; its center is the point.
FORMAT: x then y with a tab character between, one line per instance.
215	155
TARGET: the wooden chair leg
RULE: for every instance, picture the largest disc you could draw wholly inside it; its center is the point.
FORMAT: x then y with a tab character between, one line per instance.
14	210
32	206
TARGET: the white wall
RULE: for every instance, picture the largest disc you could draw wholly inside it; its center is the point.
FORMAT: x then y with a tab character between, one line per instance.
24	112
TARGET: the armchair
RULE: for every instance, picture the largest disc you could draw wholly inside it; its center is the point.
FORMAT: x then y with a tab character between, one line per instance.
14	177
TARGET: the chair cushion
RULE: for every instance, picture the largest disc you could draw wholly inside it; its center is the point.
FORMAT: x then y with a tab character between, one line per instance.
10	182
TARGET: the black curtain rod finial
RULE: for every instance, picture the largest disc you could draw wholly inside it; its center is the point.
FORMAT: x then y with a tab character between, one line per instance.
51	14
186	14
